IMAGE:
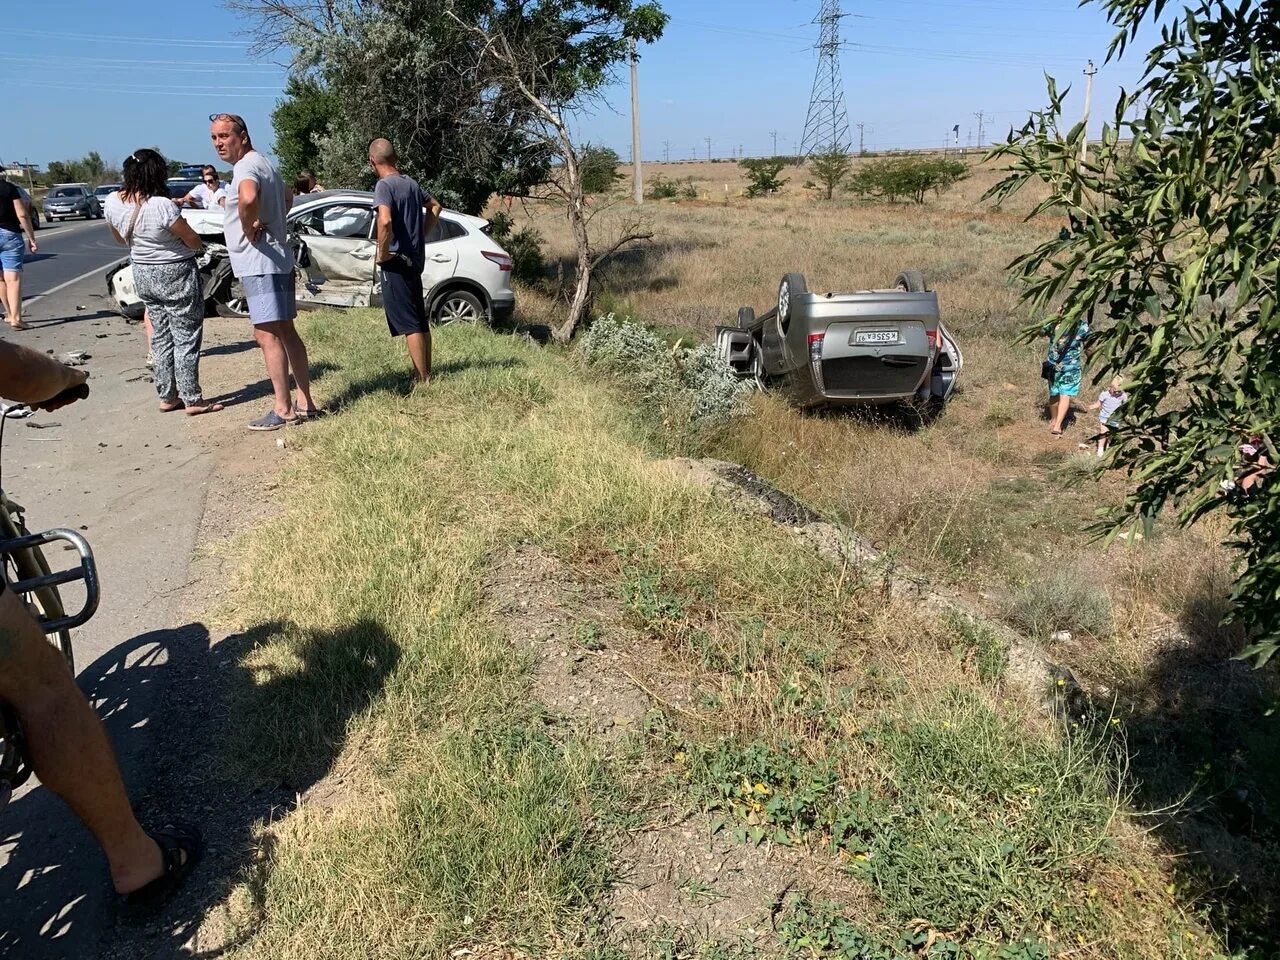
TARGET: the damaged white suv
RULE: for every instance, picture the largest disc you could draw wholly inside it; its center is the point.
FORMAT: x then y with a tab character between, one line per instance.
467	274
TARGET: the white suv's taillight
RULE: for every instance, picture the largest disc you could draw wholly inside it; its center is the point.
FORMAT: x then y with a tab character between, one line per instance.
501	259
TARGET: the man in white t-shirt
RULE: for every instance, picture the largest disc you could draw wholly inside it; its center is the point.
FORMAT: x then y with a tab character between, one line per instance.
262	261
211	194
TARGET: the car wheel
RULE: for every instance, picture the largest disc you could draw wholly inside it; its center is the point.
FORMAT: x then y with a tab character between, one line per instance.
911	281
792	286
231	302
458	306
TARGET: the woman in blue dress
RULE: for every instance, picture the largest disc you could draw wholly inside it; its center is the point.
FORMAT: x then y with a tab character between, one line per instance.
1066	353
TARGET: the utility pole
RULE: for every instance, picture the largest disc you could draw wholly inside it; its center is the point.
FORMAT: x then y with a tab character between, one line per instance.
1089	72
666	151
862	139
774	134
708	139
26	165
981	117
638	166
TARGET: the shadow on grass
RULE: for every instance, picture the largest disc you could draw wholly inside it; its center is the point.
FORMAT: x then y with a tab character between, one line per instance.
632	269
203	736
1206	762
262	388
398	382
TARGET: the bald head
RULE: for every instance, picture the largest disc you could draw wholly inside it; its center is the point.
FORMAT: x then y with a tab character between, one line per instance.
382	153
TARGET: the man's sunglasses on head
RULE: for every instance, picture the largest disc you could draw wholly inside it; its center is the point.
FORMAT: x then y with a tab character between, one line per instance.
232	117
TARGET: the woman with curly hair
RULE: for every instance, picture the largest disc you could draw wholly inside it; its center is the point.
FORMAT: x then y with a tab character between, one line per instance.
162	248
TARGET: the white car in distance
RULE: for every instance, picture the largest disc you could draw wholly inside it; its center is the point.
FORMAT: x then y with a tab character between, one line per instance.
467	275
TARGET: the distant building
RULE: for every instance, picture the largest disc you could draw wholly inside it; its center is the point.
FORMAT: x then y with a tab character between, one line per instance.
20	170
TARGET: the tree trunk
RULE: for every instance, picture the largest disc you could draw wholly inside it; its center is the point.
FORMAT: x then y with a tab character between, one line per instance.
578	223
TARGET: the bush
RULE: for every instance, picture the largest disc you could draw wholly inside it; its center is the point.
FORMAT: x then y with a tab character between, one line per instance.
599	168
895	177
831	168
662	188
1065	600
693	387
762	175
529	265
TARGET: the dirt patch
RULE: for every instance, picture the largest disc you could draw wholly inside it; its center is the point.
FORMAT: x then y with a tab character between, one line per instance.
683	882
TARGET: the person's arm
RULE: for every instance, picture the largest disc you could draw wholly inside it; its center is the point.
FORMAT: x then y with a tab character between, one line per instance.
182	230
432	210
34	378
20	208
248	195
384	233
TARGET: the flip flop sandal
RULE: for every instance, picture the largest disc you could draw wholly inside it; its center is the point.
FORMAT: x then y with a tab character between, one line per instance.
272	421
204	406
181	848
302	416
169	406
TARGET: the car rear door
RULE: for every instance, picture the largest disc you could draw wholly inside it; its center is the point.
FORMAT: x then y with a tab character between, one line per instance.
441	253
337	265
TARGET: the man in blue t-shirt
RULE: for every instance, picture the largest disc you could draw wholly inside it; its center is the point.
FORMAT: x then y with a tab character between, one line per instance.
406	215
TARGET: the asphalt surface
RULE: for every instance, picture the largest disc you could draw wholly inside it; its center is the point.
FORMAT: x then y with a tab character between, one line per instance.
69	251
133	481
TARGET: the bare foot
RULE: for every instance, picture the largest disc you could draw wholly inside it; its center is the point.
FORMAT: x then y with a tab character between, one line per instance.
168	406
194	410
20	325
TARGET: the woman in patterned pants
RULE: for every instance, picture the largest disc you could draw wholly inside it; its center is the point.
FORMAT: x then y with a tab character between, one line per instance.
162	250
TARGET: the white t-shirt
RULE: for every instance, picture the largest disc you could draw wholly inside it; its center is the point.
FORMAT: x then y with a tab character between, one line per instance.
271	254
153	241
207	198
1110	403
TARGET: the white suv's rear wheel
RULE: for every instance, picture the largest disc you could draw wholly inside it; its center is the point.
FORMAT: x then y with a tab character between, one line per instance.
458	306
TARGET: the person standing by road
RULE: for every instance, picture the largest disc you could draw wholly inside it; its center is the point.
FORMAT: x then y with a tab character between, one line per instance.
263	262
15	223
162	249
1064	369
211	194
406	214
69	749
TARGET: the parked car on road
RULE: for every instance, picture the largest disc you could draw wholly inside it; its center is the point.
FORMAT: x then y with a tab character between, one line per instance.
467	274
179	187
869	347
66	200
32	210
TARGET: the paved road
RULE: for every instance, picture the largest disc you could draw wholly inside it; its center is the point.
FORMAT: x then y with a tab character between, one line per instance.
69	250
134	481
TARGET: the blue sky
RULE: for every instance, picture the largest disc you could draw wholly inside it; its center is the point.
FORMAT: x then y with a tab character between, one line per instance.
83	75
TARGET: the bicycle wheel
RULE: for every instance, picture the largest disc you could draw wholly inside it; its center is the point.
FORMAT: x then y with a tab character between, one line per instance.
45	602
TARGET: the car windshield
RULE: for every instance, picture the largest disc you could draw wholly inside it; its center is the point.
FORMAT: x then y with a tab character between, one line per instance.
104	190
68	192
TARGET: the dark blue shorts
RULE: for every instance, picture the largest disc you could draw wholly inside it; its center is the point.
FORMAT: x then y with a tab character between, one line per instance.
402	298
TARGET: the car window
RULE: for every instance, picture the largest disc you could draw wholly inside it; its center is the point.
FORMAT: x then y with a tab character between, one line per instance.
68	192
348	220
446	229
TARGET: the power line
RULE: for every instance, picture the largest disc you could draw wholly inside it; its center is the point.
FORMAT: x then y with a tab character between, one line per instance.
105	38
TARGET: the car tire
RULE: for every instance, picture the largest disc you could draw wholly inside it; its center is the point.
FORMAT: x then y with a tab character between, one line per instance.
911	281
230	301
457	306
793	285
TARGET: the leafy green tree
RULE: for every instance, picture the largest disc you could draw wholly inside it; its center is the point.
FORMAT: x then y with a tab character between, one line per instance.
831	168
892	178
1174	252
301	121
599	169
762	175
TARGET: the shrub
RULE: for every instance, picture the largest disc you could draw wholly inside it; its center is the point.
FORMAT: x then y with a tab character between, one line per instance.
892	178
762	175
663	188
599	168
692	386
529	265
831	168
1064	600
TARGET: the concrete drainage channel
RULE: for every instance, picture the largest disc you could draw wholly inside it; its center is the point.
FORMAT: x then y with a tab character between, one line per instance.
1028	668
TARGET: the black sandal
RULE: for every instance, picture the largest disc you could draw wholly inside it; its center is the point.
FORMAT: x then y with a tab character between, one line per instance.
181	847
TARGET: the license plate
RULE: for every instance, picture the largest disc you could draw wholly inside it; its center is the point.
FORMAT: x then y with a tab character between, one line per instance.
876	336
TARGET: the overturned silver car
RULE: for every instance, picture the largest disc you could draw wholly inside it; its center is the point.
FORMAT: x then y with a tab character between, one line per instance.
848	349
